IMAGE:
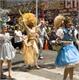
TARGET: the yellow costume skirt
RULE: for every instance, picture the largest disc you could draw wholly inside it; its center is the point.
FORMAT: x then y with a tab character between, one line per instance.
29	55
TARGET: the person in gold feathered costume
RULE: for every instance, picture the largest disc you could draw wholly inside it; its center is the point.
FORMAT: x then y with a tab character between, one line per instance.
30	48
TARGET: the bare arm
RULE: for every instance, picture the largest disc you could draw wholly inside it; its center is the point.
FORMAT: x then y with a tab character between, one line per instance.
26	41
41	23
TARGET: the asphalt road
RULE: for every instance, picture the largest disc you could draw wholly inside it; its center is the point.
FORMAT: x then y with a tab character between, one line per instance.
48	71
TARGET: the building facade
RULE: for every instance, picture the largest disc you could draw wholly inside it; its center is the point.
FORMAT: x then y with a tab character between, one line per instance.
10	3
56	4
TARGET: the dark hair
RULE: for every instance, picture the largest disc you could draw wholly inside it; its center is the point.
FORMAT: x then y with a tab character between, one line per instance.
67	20
16	28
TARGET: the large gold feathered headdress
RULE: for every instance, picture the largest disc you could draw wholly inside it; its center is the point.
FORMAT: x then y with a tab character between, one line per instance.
29	19
58	21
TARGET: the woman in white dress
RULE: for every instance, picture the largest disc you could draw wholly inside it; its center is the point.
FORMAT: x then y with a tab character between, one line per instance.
7	51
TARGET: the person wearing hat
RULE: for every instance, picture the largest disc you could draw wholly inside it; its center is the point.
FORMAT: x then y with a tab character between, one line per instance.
7	52
68	55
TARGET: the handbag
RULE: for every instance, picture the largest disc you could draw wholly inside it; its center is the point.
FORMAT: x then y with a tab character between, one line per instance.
55	46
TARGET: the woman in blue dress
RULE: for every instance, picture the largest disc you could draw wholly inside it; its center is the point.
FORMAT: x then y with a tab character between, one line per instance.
68	55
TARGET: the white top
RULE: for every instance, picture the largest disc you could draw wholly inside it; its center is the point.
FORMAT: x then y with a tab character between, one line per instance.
60	33
18	36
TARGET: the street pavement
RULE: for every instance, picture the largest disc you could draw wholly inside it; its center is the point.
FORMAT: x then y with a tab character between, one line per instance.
48	71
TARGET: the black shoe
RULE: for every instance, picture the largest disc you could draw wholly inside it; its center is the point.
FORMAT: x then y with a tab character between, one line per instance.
30	67
3	76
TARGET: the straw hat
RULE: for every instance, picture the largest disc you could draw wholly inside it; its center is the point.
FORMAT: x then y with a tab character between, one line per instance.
58	21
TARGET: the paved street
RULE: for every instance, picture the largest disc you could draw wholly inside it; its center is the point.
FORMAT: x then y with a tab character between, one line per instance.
27	20
47	72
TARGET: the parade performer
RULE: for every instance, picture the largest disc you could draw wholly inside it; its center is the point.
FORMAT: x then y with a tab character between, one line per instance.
30	48
68	55
7	51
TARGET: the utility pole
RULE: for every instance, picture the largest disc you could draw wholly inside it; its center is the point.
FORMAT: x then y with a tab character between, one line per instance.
37	9
3	4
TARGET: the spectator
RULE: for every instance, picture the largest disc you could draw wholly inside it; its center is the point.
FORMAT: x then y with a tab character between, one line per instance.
18	38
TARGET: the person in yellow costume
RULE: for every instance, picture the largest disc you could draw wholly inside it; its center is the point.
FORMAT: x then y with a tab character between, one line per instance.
30	47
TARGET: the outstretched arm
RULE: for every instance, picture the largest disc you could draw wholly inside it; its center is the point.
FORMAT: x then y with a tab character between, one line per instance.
41	23
26	41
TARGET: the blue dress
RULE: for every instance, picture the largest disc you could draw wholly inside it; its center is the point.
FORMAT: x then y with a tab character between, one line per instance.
68	54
